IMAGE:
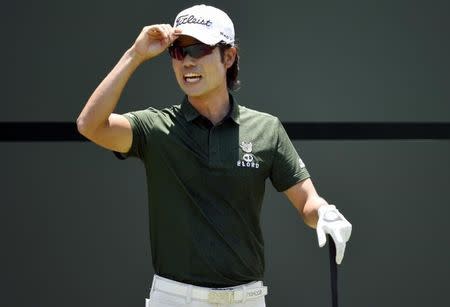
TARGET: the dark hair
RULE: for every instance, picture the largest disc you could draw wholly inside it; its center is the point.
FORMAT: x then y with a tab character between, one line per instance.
233	83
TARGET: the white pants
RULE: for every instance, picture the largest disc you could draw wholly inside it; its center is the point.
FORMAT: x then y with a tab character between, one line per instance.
167	298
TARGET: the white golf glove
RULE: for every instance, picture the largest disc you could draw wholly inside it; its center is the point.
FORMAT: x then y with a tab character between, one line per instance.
332	222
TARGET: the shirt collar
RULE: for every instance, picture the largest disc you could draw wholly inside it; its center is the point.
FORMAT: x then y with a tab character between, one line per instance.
190	113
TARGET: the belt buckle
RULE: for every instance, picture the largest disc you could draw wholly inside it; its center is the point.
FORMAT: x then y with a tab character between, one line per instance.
220	297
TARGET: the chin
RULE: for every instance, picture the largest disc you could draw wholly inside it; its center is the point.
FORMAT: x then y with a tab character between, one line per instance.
192	92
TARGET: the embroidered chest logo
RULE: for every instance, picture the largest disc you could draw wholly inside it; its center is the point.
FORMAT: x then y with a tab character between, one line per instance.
247	147
248	159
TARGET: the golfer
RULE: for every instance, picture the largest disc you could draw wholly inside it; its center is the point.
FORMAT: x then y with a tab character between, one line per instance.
206	159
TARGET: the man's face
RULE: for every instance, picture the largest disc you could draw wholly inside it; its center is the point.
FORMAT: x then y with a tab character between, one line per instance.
199	77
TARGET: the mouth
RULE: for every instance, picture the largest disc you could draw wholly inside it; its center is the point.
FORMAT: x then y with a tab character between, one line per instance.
192	77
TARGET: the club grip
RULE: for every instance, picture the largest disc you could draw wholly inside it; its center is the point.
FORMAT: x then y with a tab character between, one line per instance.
333	272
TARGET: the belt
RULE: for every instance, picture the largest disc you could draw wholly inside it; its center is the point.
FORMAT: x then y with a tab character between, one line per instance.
212	296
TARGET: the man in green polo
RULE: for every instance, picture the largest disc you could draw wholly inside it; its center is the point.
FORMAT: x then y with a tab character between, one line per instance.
206	162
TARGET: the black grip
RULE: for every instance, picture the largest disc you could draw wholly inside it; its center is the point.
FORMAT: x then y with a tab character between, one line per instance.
333	272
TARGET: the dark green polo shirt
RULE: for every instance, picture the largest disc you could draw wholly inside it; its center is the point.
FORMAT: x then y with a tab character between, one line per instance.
206	186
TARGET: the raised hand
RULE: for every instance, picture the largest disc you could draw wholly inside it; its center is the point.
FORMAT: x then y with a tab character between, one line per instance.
153	40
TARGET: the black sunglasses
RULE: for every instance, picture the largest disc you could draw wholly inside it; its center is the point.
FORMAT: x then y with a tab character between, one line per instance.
195	51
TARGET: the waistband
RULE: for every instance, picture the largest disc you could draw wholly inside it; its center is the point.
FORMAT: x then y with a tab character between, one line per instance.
229	295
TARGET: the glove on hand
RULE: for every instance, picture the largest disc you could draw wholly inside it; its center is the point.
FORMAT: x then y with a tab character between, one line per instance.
332	222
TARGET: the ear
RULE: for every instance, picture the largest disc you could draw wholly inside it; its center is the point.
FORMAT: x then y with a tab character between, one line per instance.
230	56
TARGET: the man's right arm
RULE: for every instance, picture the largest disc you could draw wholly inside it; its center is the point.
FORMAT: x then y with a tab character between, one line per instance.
97	122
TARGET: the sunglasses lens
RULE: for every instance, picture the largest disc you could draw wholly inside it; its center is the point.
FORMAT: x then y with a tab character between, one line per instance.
176	52
199	50
196	51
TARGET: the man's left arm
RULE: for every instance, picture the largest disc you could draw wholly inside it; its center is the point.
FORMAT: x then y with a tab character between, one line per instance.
304	198
318	214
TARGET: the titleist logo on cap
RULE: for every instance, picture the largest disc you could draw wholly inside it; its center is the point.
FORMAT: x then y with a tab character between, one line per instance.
183	19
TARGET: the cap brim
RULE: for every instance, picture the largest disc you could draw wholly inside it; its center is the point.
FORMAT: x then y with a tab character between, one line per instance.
202	36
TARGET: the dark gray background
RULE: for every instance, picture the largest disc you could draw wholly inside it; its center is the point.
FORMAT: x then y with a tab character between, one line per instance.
317	60
73	219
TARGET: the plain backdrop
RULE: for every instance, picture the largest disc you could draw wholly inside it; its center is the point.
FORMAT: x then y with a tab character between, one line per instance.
309	60
74	219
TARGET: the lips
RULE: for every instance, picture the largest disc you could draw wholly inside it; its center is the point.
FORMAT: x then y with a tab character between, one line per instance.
192	77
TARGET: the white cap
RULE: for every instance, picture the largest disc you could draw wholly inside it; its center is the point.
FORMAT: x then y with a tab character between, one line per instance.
206	23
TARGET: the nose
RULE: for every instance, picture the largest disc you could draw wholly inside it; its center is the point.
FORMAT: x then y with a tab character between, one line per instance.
188	61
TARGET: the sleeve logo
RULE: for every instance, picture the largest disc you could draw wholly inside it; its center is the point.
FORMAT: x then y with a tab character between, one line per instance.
302	165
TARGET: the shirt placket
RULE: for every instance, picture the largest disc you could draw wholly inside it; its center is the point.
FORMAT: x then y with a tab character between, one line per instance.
214	146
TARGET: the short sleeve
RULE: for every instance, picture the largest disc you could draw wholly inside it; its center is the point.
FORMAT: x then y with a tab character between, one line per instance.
287	166
141	125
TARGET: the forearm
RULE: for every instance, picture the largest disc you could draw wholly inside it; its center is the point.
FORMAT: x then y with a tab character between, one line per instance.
105	97
305	199
309	212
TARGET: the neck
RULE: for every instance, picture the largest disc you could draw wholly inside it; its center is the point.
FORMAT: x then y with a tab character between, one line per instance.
214	106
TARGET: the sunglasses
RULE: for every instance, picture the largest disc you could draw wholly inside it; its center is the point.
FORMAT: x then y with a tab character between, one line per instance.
195	51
